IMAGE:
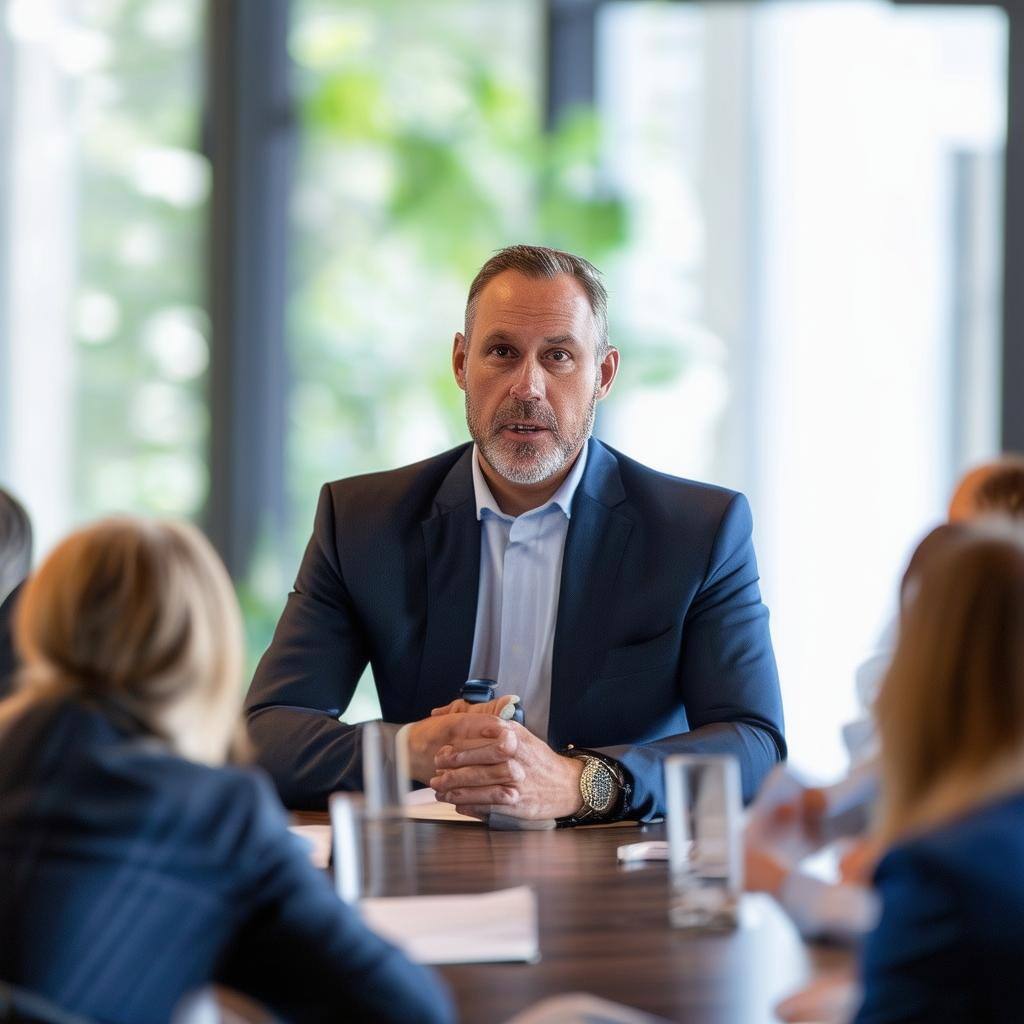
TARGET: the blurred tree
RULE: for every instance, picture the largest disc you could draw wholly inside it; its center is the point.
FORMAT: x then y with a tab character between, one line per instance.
142	347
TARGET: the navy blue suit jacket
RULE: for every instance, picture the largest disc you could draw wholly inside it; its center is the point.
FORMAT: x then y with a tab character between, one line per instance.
129	876
661	639
950	943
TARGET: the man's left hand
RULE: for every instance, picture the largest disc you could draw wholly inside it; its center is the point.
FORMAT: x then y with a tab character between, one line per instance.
531	781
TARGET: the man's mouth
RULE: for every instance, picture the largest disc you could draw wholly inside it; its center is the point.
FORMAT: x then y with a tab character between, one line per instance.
524	428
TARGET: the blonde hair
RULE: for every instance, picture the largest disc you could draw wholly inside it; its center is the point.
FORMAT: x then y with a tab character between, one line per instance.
139	614
950	710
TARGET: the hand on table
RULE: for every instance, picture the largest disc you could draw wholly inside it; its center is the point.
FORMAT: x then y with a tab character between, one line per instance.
829	999
426	737
515	774
763	870
785	819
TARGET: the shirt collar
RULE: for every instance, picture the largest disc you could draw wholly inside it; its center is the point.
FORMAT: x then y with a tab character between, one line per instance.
562	498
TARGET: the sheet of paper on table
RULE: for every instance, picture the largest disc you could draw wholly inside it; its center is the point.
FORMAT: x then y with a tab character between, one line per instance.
423	805
490	927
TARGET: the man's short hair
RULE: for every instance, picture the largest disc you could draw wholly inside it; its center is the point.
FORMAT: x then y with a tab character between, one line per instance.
1002	491
15	543
540	261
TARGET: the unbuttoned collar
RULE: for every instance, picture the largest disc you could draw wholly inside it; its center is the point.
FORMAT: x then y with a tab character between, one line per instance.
562	498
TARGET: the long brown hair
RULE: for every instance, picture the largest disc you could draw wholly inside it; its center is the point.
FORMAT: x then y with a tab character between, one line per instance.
139	614
951	708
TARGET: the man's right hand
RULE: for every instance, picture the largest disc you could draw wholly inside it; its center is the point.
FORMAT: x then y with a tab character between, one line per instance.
481	727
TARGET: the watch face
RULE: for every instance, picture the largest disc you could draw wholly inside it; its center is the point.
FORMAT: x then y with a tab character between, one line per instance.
599	788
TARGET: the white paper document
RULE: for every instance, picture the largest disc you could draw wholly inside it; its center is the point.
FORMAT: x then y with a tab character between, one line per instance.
423	805
481	928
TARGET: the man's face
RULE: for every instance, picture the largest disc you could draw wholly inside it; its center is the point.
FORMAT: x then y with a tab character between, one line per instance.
531	376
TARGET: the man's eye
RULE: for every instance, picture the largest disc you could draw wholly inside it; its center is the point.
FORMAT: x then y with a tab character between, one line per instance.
560	355
501	351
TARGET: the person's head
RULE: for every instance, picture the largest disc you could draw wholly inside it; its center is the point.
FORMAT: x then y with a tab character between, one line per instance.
993	488
950	710
141	614
15	543
534	360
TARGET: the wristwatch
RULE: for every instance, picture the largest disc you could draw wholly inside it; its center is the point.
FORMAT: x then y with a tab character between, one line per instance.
604	791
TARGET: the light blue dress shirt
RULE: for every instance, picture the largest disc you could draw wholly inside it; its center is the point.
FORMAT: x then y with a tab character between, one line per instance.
517	603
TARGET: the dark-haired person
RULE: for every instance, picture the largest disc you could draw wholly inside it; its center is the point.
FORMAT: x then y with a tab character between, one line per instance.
620	604
951	718
134	866
15	562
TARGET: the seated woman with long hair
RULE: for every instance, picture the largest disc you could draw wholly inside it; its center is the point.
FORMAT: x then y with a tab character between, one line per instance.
134	866
950	713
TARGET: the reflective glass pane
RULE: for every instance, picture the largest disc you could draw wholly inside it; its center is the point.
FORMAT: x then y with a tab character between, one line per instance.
106	351
814	191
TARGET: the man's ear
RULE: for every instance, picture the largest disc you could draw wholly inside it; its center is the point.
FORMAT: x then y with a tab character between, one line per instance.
607	372
459	348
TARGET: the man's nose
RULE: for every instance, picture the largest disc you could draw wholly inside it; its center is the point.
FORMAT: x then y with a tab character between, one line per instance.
528	385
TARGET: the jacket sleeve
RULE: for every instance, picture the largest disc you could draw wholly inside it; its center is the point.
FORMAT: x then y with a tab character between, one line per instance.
914	962
727	675
307	955
306	678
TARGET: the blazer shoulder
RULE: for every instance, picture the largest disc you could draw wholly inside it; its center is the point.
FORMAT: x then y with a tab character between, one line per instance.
978	844
696	501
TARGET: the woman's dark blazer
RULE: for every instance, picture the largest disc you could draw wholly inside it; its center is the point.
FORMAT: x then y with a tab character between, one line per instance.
950	944
130	876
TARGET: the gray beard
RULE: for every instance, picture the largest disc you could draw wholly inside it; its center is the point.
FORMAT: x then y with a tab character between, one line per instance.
520	462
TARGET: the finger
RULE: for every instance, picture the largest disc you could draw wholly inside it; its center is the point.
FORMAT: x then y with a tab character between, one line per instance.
481	811
505	796
452	708
470	727
508	773
501	707
483	751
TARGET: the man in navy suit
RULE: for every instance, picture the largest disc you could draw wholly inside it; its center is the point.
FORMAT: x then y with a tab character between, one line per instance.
620	605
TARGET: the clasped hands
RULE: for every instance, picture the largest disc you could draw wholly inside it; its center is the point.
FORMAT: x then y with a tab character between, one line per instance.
481	763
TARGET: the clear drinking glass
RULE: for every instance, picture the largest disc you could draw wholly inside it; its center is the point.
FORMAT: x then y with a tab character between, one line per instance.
346	844
372	828
385	771
704	822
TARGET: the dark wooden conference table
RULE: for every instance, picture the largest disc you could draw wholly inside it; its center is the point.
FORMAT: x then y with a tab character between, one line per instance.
604	928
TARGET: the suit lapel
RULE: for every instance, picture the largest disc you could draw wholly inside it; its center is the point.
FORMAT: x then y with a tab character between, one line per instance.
451	539
594	548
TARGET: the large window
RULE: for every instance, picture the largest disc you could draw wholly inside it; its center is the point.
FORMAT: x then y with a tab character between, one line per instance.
815	198
103	294
797	204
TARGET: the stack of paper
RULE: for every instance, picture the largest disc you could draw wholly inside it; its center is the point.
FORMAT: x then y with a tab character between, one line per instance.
483	928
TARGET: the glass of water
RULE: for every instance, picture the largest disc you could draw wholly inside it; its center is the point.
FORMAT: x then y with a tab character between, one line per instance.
704	822
385	771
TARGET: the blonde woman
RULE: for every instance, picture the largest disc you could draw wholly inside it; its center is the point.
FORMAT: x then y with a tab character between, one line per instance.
951	720
134	866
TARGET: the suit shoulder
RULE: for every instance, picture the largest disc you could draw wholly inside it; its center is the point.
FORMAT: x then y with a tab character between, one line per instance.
640	476
675	495
984	837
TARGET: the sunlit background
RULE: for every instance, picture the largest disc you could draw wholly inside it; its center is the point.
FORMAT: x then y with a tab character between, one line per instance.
798	207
